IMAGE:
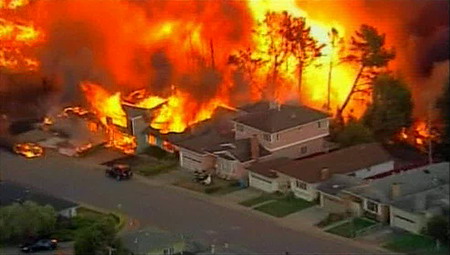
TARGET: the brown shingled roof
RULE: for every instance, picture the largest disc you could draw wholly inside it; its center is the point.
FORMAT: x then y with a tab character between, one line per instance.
342	161
261	116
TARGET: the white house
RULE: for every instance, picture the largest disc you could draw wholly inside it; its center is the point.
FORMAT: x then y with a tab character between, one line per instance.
302	176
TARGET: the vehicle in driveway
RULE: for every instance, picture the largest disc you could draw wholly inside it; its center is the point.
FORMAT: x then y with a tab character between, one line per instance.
119	172
40	245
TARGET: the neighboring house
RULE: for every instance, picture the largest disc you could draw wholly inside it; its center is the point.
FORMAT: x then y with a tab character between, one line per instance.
413	212
375	197
232	158
330	196
12	193
153	241
284	130
262	176
302	176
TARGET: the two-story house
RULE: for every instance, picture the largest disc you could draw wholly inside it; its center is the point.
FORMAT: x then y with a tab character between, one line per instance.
284	130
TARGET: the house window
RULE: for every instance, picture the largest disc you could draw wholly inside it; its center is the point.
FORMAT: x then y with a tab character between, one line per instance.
322	124
240	127
304	149
372	207
300	185
267	137
277	137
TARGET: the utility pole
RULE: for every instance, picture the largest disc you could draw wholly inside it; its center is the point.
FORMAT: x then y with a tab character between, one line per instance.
430	145
211	46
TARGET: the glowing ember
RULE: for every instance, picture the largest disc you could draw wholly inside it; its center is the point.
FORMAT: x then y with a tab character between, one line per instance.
47	121
29	150
119	140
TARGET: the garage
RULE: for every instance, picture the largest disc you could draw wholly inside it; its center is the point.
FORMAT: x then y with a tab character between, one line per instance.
260	182
190	161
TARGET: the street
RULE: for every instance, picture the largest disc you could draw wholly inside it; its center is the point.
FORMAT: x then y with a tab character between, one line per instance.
163	207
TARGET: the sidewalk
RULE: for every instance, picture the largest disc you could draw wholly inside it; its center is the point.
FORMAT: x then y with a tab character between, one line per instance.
302	221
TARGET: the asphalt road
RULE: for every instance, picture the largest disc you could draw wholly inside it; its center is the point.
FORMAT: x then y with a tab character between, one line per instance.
166	208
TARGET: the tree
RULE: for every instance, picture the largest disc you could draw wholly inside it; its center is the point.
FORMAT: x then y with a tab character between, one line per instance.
279	36
248	63
98	238
301	44
353	133
367	49
443	105
21	221
438	228
391	108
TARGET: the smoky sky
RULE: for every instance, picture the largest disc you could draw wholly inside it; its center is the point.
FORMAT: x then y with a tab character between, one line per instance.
431	27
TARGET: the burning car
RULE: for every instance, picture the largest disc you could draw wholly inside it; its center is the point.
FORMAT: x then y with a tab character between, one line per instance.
29	150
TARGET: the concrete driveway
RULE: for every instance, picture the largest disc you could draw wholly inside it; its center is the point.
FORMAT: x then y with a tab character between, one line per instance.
165	207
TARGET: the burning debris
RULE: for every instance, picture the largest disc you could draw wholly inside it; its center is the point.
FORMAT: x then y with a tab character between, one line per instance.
29	150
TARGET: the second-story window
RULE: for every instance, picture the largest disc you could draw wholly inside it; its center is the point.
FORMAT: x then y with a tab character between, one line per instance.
239	127
322	124
267	137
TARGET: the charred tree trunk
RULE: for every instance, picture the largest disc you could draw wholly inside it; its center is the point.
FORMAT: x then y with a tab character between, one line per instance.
300	79
352	91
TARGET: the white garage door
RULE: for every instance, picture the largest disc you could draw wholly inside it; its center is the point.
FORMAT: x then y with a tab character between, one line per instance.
190	161
262	183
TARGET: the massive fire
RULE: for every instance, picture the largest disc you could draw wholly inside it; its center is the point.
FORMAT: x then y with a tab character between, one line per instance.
171	57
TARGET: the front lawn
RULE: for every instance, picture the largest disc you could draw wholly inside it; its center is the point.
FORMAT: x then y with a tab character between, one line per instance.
257	200
284	206
415	244
348	229
218	186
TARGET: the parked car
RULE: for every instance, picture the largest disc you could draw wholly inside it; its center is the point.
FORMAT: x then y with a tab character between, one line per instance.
40	245
119	172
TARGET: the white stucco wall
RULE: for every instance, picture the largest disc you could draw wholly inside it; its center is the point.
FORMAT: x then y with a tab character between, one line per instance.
408	221
374	170
309	194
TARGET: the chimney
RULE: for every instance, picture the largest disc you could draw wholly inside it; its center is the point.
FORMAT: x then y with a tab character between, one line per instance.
324	173
254	147
395	190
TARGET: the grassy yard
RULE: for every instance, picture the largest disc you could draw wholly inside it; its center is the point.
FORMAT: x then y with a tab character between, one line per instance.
331	219
284	206
415	244
257	200
218	187
348	229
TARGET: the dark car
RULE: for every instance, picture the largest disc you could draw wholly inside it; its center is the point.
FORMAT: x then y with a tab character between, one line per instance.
119	172
40	245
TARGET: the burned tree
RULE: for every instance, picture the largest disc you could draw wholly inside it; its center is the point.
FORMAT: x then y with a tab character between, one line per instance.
301	44
273	29
247	63
367	49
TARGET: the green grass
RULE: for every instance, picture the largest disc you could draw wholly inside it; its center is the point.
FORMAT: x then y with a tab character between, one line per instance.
218	187
163	166
331	219
415	244
257	200
348	229
284	206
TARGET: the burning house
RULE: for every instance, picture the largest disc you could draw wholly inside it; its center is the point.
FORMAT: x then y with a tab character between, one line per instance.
156	73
